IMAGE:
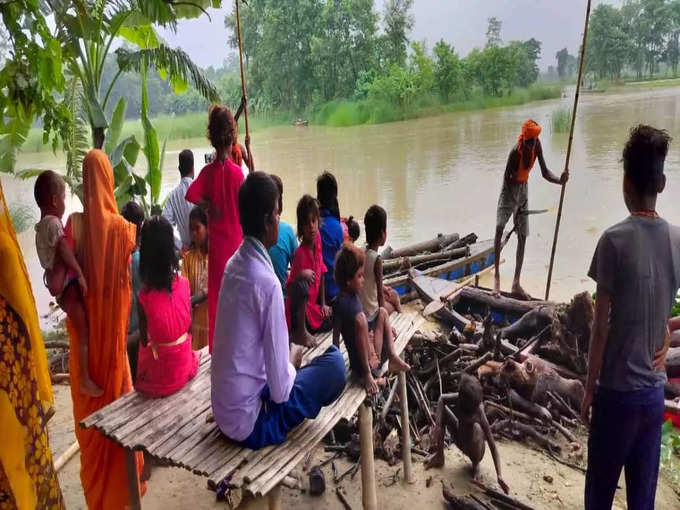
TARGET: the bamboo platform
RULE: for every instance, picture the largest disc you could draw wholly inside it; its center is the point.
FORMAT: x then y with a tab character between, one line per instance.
173	430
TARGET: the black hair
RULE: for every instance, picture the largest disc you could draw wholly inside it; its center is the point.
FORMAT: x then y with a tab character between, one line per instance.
279	184
327	193
256	202
353	229
158	263
375	223
470	394
306	205
48	184
643	157
221	127
186	162
198	214
347	262
134	213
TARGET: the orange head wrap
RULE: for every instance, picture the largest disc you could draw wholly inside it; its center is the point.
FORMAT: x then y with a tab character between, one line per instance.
530	129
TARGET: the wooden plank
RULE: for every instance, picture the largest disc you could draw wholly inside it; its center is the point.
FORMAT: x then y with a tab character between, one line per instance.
166	444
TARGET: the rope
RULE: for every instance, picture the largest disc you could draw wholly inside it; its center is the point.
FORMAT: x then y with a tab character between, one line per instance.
571	139
244	101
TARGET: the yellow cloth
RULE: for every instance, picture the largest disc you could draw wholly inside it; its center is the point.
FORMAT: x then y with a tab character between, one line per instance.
195	269
27	476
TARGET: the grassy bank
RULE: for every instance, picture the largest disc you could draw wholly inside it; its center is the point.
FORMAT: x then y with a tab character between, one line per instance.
336	114
350	113
190	125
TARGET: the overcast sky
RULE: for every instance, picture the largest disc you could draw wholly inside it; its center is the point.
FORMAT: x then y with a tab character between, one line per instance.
556	23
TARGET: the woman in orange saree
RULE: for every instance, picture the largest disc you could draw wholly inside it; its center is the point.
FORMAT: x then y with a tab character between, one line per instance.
27	476
104	241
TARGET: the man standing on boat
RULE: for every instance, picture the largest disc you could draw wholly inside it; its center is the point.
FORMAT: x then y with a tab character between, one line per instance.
514	198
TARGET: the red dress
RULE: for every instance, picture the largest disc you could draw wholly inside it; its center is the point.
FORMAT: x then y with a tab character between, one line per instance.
218	183
165	369
305	258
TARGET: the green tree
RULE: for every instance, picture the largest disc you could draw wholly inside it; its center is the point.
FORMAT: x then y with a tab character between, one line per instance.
673	46
447	70
608	45
398	22
421	68
493	32
562	57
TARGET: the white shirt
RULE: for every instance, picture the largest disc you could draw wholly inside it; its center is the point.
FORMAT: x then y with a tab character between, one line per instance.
177	210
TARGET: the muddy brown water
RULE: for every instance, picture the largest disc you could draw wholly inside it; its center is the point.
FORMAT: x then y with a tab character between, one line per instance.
444	174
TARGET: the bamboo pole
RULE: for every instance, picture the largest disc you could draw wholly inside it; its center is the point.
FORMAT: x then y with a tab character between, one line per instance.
368	491
251	161
405	434
571	139
63	459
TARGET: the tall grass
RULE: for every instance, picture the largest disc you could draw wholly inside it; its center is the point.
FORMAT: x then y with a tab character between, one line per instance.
560	120
350	113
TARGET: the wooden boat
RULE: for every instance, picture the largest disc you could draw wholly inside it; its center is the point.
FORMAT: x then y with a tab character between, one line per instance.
300	123
471	301
480	256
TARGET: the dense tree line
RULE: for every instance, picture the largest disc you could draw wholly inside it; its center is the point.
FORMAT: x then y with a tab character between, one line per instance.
638	37
306	52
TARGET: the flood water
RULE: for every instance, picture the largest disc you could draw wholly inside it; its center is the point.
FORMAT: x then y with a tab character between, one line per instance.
444	174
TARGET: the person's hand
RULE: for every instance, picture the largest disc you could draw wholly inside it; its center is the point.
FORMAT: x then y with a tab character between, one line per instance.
83	287
586	404
660	355
564	177
308	274
370	385
326	311
503	485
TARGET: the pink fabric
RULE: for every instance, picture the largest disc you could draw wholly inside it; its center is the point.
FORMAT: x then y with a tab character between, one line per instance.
218	183
306	258
168	317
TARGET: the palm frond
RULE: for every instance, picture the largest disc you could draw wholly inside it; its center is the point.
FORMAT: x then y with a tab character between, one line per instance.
172	63
22	217
76	142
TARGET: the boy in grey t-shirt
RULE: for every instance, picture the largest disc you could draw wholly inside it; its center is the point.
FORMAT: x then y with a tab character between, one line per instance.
637	269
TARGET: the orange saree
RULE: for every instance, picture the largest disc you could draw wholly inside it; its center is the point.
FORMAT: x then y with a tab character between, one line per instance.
104	241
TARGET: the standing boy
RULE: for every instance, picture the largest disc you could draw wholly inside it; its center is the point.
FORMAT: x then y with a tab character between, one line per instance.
637	269
177	209
514	198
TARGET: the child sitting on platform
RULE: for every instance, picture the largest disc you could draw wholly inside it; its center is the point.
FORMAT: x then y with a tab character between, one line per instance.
283	251
195	269
468	427
366	351
63	276
375	295
166	361
306	310
350	229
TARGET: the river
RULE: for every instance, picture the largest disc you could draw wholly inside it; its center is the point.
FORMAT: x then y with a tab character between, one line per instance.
444	174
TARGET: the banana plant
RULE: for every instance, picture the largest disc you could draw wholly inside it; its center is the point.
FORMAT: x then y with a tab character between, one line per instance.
83	37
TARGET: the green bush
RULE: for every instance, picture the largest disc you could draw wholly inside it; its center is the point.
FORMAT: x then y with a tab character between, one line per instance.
560	120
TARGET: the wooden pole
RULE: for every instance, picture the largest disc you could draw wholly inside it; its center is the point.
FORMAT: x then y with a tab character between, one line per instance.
368	492
61	461
405	434
571	139
133	479
251	161
274	497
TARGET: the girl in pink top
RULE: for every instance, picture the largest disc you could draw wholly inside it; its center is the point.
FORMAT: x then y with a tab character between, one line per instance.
216	191
306	310
166	362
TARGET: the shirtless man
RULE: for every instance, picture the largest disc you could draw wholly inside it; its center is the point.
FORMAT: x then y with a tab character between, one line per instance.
514	198
468	427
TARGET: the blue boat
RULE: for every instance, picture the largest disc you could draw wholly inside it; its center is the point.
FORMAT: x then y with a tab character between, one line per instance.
481	256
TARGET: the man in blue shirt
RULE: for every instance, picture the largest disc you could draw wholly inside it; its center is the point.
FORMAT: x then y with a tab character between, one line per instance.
284	249
331	229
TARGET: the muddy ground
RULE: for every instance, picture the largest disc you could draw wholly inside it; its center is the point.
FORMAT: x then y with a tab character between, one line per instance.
534	478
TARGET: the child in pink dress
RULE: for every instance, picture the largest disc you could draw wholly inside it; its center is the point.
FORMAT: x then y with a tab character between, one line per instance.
166	361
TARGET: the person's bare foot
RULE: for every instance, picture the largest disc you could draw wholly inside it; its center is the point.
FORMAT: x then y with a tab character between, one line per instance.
396	365
304	339
296	353
476	473
519	293
435	460
370	385
497	286
90	388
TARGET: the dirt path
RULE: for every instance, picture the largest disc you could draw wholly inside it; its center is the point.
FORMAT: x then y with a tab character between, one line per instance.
526	471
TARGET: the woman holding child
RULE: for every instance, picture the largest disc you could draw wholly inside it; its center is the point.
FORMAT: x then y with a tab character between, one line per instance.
104	241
